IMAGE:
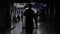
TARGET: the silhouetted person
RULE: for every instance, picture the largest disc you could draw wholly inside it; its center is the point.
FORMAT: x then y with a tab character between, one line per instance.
29	15
14	19
18	17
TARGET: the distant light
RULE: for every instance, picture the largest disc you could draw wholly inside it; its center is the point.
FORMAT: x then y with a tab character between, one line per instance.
32	3
15	4
44	4
18	5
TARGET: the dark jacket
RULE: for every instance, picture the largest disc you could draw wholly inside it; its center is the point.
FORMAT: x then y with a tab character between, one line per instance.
29	14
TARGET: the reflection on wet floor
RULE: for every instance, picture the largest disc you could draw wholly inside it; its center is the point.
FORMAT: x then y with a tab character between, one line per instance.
17	29
41	29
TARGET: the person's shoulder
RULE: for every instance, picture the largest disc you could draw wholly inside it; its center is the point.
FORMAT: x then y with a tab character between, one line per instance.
26	9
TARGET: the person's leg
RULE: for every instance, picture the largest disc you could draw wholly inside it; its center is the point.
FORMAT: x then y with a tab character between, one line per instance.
30	31
27	31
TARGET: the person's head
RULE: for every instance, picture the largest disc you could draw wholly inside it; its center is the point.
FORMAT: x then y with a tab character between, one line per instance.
29	6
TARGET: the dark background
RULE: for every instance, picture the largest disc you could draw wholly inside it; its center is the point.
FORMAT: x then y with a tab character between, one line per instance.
5	16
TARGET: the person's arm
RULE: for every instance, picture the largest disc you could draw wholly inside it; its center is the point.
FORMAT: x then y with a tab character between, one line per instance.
25	13
35	18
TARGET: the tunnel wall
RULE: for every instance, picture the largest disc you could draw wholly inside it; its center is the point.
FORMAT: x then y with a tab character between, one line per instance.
4	16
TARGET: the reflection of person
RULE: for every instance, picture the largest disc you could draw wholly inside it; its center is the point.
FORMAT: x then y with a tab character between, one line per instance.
29	14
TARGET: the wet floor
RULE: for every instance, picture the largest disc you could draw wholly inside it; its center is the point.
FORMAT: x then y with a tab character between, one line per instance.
41	29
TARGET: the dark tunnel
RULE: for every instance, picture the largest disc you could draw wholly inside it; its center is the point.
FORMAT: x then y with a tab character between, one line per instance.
50	15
